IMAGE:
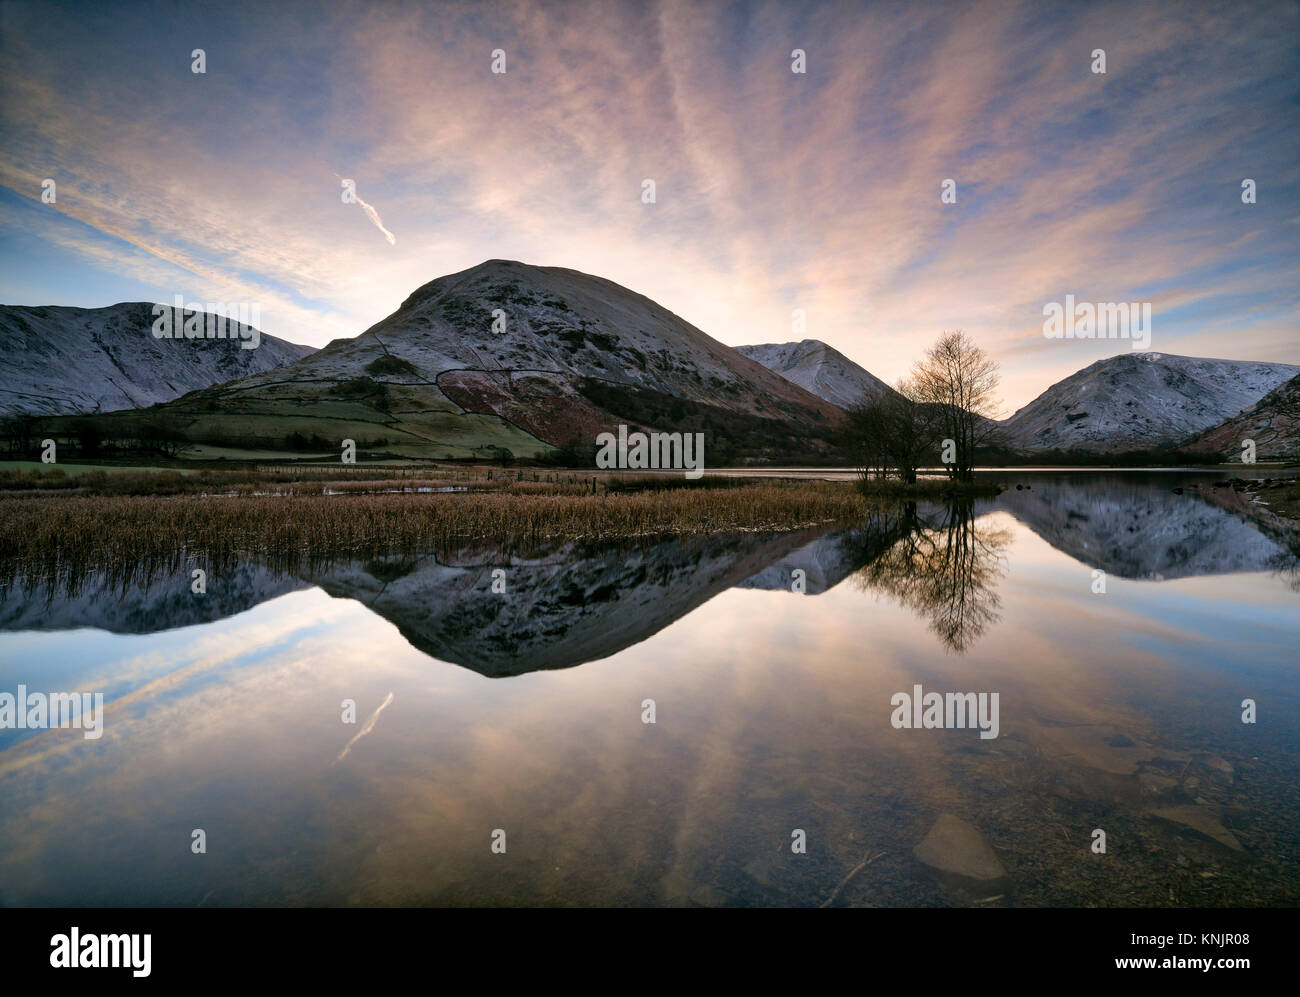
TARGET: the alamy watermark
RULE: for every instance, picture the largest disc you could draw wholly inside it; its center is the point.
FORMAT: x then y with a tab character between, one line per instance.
948	711
95	951
1103	320
652	451
215	320
39	711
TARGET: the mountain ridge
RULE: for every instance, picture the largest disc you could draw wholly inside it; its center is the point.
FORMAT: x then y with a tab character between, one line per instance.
63	359
510	359
1273	423
819	368
1139	401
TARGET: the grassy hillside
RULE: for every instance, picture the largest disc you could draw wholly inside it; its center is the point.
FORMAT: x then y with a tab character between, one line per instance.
305	419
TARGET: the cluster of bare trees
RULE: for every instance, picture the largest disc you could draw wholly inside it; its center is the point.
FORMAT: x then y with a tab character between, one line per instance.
941	413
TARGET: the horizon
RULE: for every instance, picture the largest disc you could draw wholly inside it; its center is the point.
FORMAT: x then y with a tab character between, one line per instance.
1121	186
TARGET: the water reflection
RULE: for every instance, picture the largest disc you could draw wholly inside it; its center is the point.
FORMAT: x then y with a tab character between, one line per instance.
574	604
945	566
1120	711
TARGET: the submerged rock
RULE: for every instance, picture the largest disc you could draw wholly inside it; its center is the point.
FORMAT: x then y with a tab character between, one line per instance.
955	849
1204	820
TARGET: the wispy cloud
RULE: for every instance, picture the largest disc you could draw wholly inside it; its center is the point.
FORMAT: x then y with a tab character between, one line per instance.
775	190
371	213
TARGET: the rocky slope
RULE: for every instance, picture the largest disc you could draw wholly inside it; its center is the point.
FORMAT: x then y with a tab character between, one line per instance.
1273	423
820	369
56	360
1140	401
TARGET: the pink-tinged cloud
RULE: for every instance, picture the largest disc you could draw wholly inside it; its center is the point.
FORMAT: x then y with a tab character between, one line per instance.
775	190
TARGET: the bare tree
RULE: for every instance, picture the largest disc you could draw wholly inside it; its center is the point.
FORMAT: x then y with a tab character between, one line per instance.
893	431
864	437
157	435
960	378
20	431
912	428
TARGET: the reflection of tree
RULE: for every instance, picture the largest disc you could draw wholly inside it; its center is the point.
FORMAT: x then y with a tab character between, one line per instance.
1287	563
944	566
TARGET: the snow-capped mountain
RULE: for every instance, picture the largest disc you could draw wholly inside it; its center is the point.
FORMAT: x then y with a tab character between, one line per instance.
819	368
1140	401
57	360
511	357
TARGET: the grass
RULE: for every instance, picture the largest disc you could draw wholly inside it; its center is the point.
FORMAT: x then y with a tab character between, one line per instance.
405	420
52	534
1284	499
286	479
36	469
670	482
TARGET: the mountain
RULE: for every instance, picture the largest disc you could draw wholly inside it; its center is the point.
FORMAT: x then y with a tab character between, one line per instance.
1273	423
578	355
820	369
56	360
1140	401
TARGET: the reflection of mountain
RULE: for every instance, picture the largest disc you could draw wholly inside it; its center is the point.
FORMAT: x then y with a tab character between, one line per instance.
578	605
827	560
135	606
554	613
1138	529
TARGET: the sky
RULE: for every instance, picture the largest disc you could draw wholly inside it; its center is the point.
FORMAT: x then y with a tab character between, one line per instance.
774	190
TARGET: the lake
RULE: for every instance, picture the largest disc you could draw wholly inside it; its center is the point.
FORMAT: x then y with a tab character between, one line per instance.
500	752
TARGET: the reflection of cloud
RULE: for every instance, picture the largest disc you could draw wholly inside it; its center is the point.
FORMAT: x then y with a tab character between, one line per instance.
153	677
773	714
369	726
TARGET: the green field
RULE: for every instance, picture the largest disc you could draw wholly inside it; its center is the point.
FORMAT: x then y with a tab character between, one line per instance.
73	470
310	420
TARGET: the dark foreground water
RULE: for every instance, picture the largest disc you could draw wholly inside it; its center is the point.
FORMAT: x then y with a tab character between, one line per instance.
522	712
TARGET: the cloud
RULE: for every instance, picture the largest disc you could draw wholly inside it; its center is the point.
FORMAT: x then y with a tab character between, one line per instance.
371	213
775	190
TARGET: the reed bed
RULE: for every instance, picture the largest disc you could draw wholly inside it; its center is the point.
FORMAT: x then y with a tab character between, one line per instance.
284	480
53	532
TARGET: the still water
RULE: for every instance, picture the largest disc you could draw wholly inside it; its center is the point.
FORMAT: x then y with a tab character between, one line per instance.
771	662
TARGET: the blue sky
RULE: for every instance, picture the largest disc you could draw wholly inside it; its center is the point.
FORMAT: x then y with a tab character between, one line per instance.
775	190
